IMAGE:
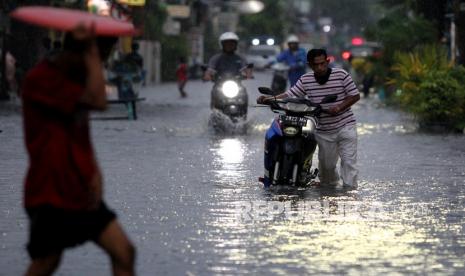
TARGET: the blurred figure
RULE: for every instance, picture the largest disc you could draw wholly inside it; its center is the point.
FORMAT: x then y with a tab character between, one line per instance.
135	58
10	73
181	76
63	186
134	55
368	78
295	58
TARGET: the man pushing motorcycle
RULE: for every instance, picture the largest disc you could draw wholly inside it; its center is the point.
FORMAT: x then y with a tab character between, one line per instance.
336	133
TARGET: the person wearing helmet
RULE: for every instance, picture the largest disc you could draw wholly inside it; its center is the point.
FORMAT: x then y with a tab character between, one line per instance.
295	58
226	62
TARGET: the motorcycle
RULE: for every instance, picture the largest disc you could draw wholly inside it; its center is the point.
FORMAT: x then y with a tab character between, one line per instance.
229	96
280	76
290	142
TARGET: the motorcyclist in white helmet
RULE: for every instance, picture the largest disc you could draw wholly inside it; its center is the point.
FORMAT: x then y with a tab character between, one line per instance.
227	62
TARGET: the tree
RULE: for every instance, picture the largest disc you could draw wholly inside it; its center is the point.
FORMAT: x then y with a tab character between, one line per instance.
399	32
432	10
154	16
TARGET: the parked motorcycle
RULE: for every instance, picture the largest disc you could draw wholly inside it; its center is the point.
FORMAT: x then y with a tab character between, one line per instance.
290	142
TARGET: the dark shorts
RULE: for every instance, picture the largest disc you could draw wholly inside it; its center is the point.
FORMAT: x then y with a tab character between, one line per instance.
53	229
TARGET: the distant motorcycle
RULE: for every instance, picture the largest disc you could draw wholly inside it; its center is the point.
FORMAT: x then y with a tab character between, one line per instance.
229	96
290	142
280	76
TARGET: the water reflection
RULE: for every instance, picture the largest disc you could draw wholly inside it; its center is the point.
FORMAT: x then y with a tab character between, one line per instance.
322	235
368	128
322	246
229	154
231	151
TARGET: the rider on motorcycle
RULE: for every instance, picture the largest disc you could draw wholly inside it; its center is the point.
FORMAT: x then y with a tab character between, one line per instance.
295	58
226	62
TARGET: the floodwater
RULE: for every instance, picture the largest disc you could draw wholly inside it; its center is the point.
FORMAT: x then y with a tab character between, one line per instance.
189	198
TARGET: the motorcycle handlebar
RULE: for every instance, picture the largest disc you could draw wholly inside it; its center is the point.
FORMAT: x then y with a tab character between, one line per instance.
273	104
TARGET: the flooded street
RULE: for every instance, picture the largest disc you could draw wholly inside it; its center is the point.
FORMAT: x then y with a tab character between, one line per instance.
190	200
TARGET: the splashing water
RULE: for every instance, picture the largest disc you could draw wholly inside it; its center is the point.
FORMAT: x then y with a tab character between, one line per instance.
220	123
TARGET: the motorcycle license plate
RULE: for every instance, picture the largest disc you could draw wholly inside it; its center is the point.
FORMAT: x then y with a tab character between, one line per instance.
292	120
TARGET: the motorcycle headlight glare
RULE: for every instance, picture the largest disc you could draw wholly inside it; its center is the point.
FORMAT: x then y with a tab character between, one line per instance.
230	89
290	131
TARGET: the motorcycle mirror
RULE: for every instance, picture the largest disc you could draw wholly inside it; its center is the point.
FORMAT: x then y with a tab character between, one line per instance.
329	99
266	90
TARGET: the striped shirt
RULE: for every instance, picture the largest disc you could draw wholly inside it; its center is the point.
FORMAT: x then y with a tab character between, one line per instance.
339	83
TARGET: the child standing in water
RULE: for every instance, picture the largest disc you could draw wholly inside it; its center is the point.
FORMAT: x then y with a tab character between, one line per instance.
181	76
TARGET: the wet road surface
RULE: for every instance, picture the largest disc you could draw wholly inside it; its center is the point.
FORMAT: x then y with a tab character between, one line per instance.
189	197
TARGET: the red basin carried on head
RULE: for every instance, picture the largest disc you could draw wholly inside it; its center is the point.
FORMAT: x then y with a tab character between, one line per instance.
67	19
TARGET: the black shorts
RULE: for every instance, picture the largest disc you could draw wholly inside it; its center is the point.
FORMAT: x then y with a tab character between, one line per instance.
53	229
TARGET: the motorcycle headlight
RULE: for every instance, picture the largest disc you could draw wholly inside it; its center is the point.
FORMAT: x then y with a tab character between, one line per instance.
230	89
290	131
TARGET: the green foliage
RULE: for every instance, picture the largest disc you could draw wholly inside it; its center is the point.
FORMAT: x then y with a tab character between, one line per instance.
172	47
412	67
401	33
155	16
432	89
441	100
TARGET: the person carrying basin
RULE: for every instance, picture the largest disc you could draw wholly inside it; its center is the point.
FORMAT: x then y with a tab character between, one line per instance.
336	133
63	194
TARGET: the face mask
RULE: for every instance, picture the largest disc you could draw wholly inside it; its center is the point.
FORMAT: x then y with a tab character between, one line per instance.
323	79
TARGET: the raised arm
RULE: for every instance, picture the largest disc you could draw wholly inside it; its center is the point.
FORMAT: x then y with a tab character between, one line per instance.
94	90
94	94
